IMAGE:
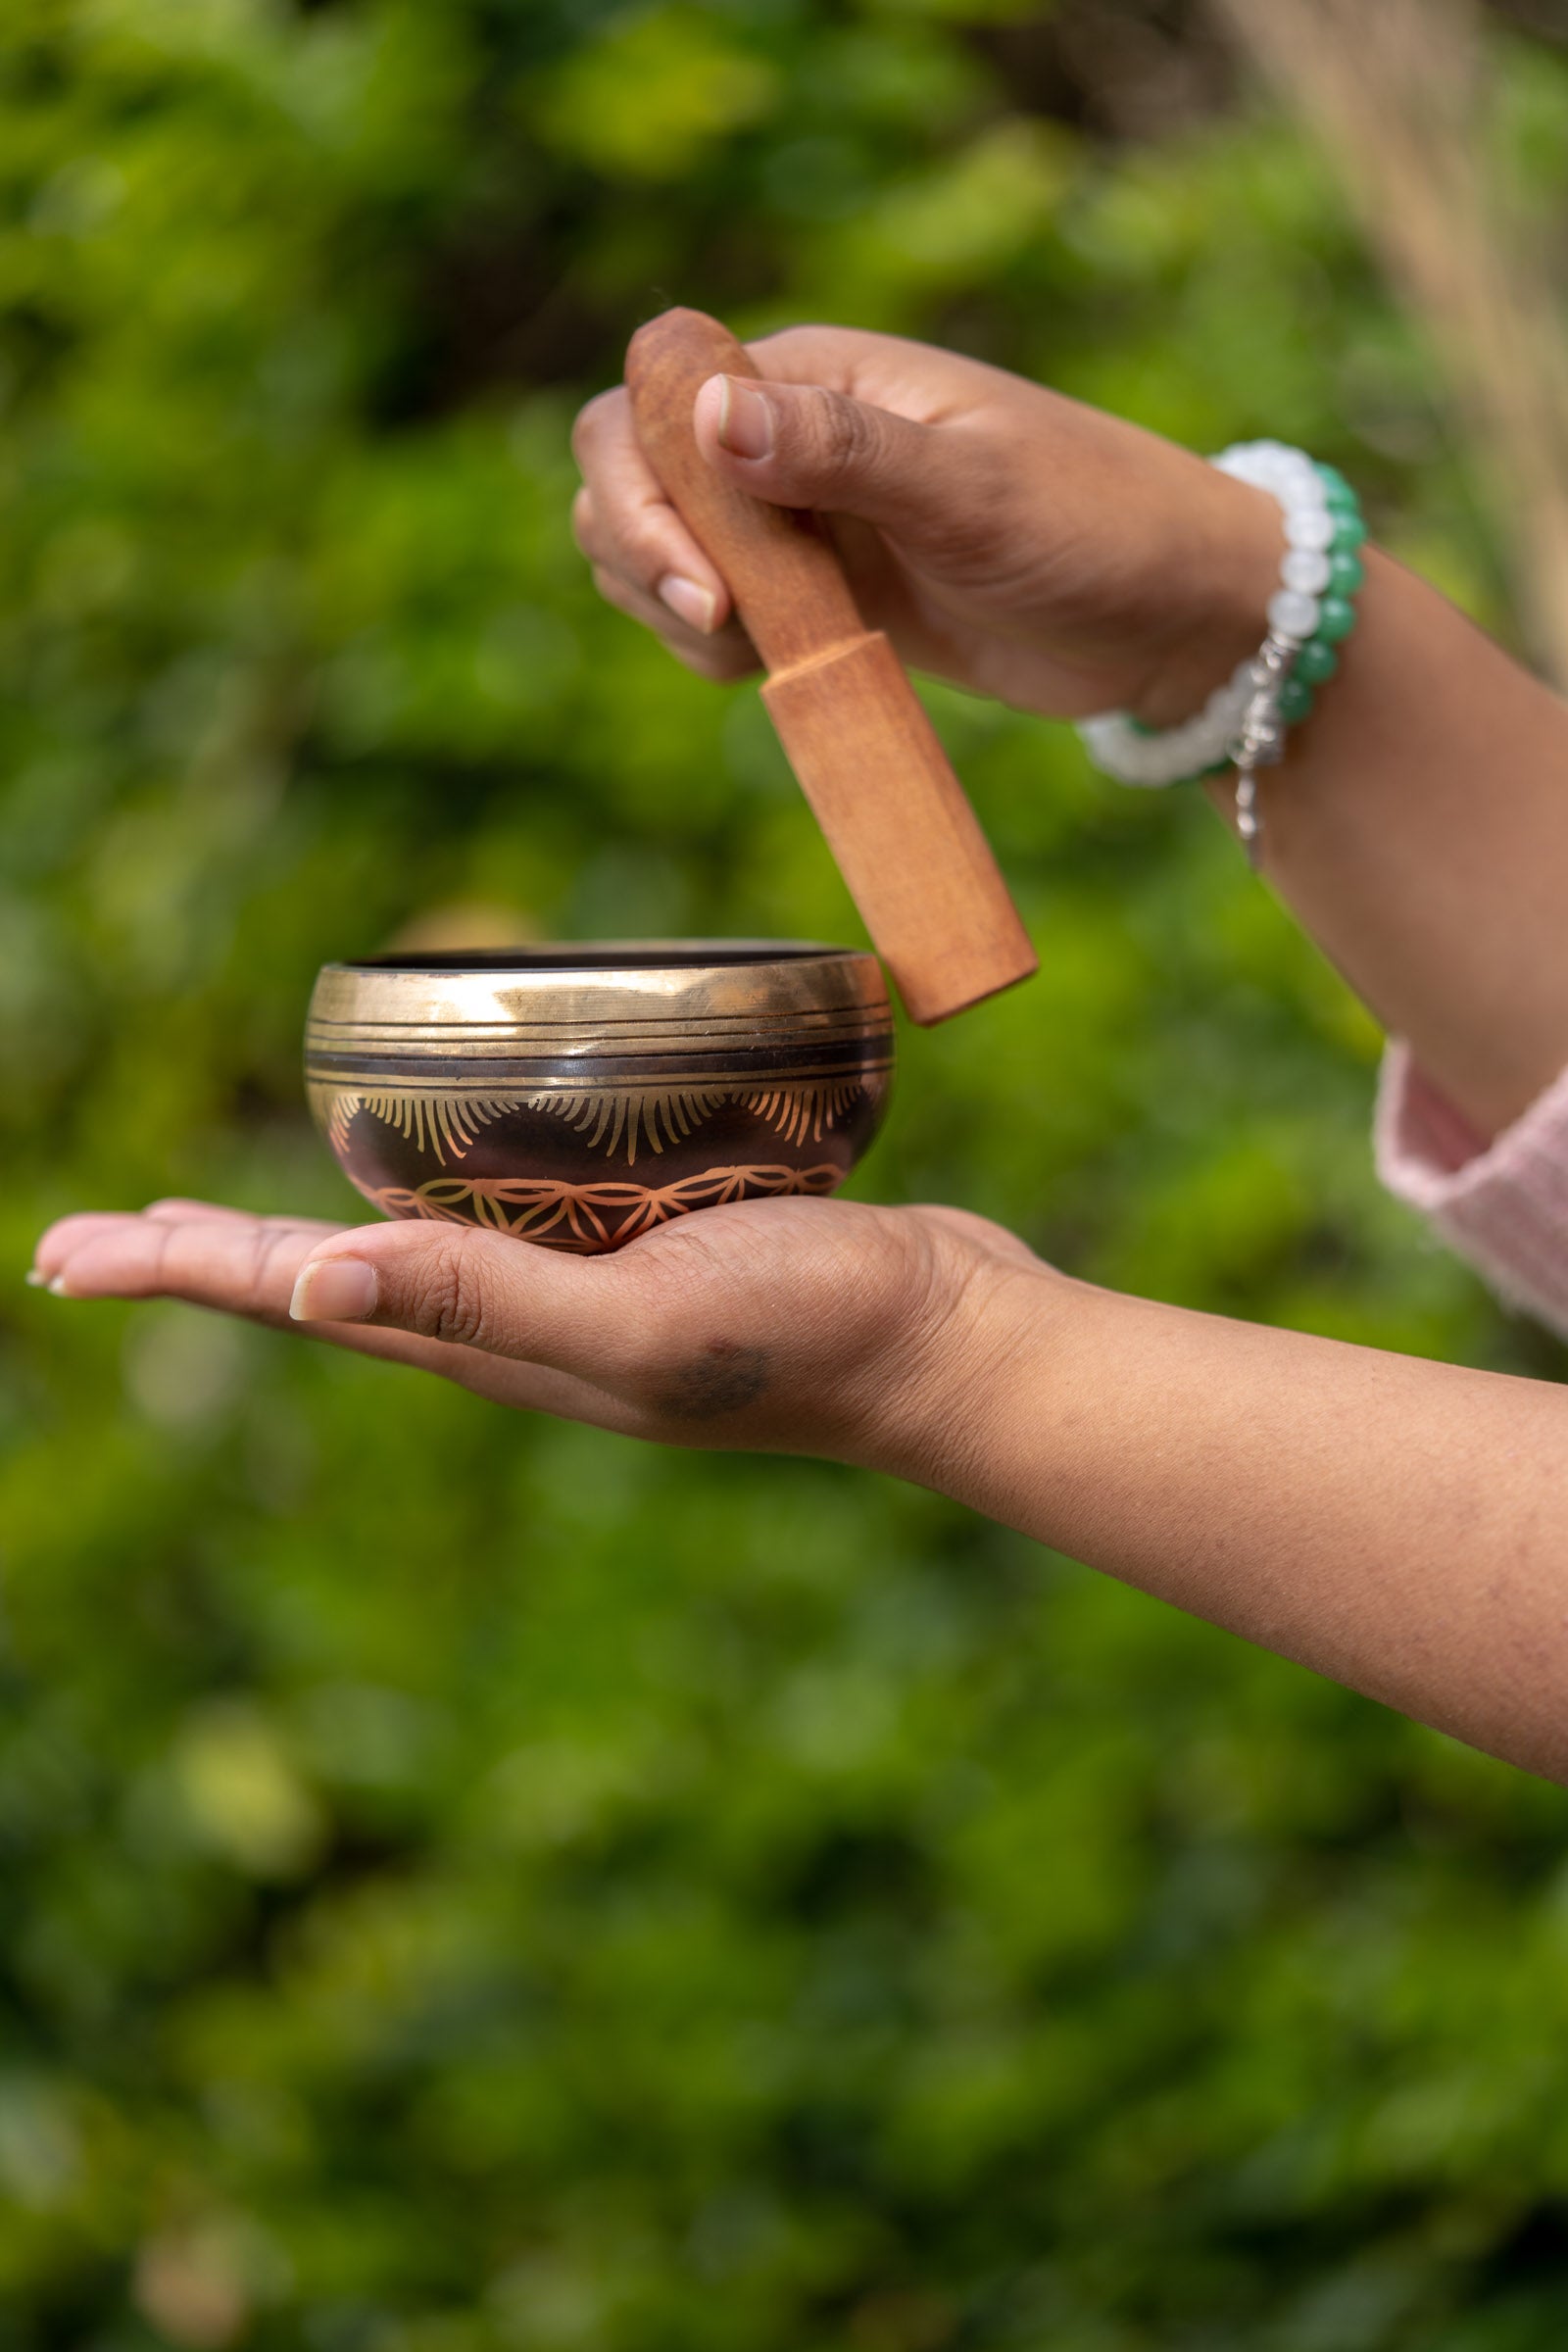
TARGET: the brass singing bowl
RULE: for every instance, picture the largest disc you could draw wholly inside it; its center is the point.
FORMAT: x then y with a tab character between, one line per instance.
581	1096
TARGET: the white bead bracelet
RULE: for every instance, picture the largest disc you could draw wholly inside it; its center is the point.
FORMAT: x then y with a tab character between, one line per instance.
1243	719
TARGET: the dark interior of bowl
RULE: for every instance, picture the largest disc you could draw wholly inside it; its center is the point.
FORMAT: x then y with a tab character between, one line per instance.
601	955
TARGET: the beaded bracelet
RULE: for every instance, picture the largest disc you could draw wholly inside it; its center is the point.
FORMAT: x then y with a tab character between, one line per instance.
1244	722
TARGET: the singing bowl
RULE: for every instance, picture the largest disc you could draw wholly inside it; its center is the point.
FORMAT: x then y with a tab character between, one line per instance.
581	1096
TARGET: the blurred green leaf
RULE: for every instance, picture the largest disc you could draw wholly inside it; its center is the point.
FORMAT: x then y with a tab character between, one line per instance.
657	88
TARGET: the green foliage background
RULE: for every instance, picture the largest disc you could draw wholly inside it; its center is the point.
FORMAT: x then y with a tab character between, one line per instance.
472	1886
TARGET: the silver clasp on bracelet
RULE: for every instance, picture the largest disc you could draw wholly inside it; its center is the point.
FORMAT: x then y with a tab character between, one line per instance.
1260	740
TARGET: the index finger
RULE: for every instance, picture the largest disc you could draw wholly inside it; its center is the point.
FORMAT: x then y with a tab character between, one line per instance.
245	1265
634	529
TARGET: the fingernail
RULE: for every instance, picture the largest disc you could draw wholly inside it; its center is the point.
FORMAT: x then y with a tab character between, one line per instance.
744	419
693	605
335	1290
35	1279
57	1288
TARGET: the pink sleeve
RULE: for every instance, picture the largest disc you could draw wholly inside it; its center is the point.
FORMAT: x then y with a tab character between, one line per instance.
1504	1205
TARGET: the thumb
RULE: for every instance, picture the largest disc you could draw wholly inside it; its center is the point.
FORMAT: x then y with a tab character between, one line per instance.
597	1318
800	445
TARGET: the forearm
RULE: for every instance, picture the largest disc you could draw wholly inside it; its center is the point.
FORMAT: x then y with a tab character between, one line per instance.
1399	1525
1418	829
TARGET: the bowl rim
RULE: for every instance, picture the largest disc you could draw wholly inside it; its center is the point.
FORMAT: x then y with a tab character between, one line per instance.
536	959
651	996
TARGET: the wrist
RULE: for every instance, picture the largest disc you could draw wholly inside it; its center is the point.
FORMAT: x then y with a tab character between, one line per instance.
941	1421
1225	549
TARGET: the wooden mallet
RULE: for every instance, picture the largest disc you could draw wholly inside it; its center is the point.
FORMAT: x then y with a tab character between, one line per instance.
896	819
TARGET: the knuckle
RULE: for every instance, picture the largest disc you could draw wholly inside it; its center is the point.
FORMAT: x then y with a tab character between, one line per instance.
273	1252
616	591
640	544
450	1301
593	418
261	1250
845	434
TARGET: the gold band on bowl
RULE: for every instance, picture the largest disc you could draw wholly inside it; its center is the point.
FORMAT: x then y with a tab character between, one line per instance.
571	1001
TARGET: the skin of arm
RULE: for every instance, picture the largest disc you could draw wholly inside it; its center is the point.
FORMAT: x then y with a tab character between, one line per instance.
1418	829
1399	1525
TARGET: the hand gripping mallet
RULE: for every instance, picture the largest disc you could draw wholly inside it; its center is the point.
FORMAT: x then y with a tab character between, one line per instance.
896	819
